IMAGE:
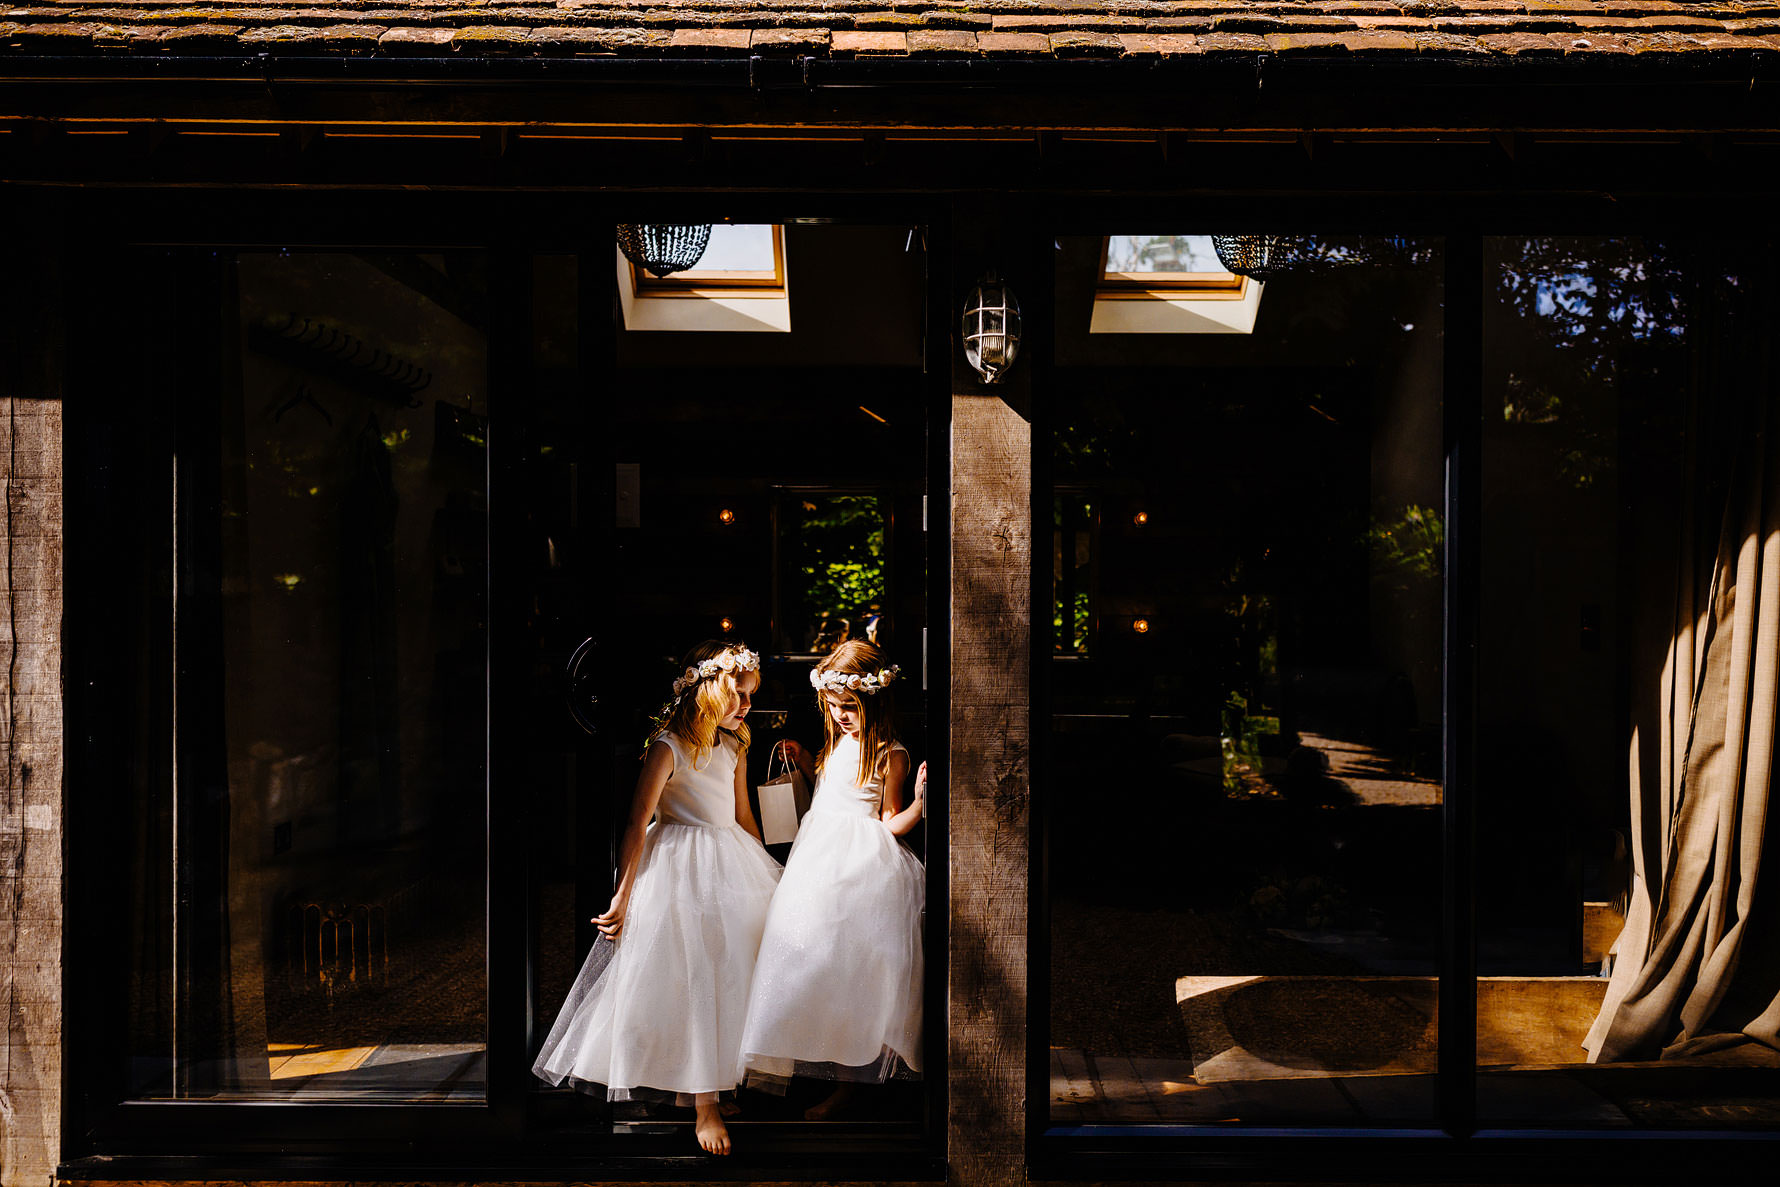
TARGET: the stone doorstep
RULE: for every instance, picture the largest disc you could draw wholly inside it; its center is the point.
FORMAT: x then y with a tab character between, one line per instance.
1520	1021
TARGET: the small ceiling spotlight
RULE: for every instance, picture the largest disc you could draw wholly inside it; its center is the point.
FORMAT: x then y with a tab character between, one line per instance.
1141	625
726	625
726	517
1141	518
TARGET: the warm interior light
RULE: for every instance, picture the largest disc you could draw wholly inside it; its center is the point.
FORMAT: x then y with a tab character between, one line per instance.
1141	518
726	625
726	516
1141	625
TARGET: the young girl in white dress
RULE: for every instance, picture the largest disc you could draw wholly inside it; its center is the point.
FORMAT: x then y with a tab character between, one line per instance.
660	1007
837	986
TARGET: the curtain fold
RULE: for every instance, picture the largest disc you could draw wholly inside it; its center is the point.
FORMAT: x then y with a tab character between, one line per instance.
1697	967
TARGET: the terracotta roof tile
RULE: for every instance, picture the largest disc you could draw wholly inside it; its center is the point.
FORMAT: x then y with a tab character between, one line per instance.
1084	44
945	42
1165	44
1448	44
1306	43
571	40
1666	43
1379	43
1061	22
1232	43
409	41
699	43
1520	44
789	41
493	39
1594	43
1180	24
185	39
1353	8
1266	23
869	43
1148	29
1500	23
1036	44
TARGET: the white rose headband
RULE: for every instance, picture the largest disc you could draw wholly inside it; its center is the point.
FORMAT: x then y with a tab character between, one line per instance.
735	659
866	684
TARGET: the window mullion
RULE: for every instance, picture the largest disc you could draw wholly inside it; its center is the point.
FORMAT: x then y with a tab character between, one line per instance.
1462	406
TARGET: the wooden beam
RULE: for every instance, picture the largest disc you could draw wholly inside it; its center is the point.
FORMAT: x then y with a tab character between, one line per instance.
990	785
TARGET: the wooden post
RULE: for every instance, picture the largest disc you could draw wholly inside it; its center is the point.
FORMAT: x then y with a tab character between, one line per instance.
989	785
31	707
31	794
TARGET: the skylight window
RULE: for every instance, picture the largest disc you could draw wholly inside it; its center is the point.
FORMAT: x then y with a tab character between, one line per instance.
740	258
739	285
1152	265
1170	284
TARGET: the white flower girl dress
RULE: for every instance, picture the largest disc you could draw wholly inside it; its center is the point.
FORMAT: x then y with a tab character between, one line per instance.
662	1008
837	987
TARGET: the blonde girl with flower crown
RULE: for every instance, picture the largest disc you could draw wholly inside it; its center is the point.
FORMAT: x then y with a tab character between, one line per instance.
657	1010
837	986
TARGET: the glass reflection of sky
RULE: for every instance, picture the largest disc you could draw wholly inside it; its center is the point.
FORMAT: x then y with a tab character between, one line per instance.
1162	253
739	248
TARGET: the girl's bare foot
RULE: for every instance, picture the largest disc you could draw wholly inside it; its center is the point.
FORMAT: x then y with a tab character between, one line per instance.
837	1101
713	1135
730	1108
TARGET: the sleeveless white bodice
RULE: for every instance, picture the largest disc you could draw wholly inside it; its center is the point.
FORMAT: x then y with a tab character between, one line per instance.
700	794
838	788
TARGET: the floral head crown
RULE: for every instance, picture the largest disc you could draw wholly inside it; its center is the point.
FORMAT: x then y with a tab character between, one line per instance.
867	683
734	659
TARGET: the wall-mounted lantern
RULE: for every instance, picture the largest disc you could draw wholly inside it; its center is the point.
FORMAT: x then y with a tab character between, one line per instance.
663	248
991	328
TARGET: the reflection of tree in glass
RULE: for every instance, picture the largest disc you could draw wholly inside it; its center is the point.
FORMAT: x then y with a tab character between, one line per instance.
1409	546
1154	253
839	558
1576	322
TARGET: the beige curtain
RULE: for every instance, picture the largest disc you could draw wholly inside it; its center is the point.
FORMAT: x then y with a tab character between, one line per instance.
1697	967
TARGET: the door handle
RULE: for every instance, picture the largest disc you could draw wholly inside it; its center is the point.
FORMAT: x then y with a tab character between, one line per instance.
579	688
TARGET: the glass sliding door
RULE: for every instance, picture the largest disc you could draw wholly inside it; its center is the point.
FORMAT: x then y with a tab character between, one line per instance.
307	891
1627	942
732	477
1246	692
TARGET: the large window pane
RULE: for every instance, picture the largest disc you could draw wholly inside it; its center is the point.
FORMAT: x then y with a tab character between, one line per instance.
1625	908
1244	778
324	932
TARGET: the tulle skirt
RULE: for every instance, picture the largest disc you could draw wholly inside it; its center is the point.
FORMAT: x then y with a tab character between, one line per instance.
662	1009
837	988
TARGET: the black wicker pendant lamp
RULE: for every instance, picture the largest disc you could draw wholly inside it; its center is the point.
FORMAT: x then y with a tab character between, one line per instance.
1261	257
662	249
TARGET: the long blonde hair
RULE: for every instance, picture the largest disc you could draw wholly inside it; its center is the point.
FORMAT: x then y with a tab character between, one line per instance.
696	715
877	711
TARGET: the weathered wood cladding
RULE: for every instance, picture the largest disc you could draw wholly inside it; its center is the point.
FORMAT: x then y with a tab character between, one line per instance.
31	795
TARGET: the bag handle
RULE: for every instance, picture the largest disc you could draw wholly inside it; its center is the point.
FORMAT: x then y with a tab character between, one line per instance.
778	755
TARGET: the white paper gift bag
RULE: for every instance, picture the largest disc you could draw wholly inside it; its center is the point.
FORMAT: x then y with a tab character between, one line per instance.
783	801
